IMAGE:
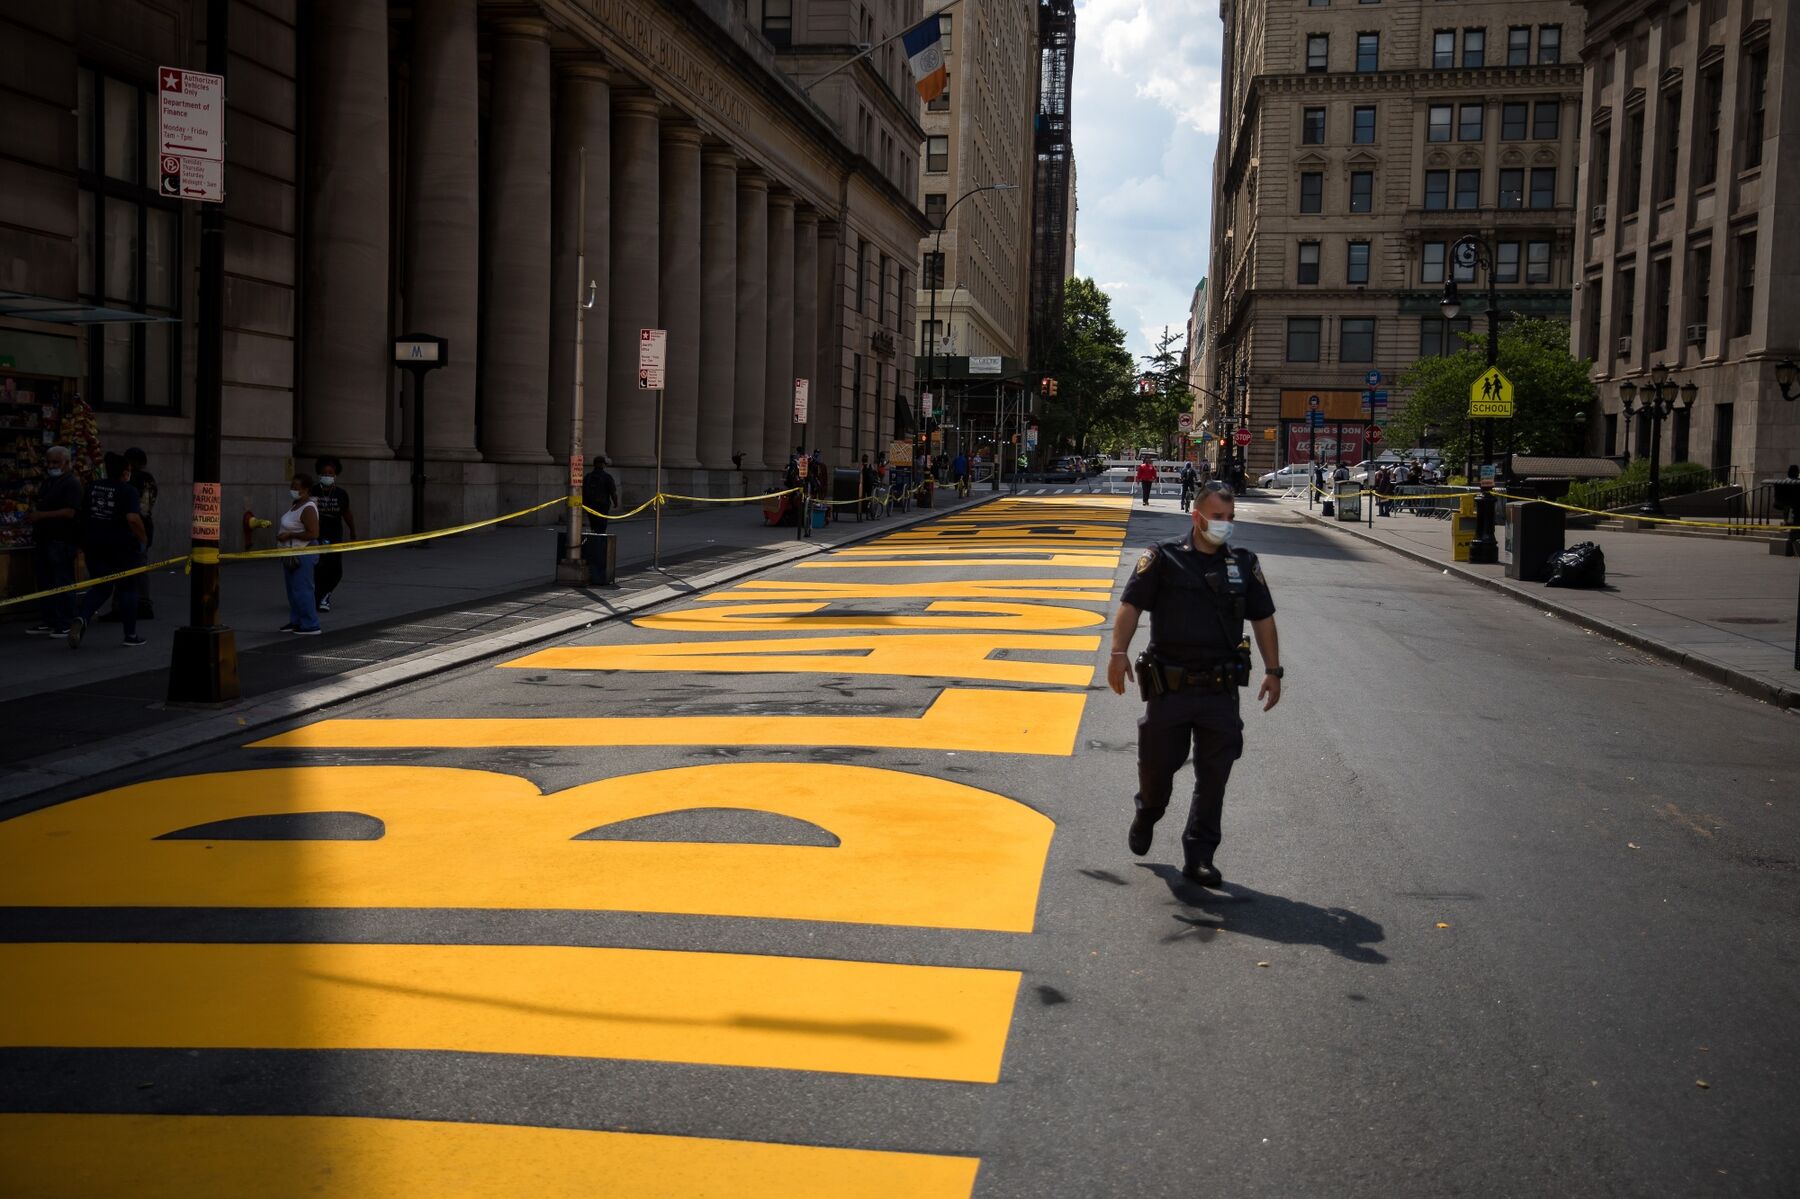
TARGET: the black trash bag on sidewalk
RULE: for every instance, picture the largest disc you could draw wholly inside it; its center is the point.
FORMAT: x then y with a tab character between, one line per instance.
1581	565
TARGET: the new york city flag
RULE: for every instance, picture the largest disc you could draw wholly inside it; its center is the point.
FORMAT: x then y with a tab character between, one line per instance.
925	51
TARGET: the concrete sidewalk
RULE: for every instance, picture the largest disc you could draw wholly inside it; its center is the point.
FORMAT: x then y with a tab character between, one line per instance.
400	614
1722	609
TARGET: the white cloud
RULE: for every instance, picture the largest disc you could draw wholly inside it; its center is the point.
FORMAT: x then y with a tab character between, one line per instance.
1145	109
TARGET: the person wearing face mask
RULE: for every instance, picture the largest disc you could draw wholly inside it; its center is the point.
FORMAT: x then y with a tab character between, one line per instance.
1199	590
55	540
336	524
113	539
299	526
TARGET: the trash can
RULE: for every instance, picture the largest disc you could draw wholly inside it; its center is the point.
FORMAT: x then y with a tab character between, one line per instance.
601	553
1534	535
1347	497
846	491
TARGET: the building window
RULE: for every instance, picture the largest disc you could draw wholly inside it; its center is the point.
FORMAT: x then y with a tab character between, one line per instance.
946	26
1684	427
1309	262
1356	339
1602	161
1518	46
1506	262
1512	122
130	253
862	275
1439	338
937	154
1438	122
934	208
1634	161
1356	265
930	335
1712	100
1610	438
1468	122
1550	44
1363	125
778	22
1468	188
1756	93
1431	263
932	270
1512	187
1543	187
1626	294
1537	262
1474	48
1312	191
1546	119
1661	279
1437	189
1443	49
1318	51
1590	322
942	103
1368	52
1743	308
1303	339
1312	127
1667	177
1699	306
1721	447
1362	191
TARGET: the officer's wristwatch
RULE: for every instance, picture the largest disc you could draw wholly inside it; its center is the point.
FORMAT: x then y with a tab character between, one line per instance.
1275	672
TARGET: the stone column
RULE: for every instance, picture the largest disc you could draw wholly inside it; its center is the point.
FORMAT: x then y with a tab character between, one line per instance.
583	119
630	413
718	306
680	292
515	344
778	391
752	318
443	218
346	353
806	327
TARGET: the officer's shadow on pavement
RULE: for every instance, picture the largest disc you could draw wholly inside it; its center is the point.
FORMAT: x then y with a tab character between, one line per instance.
1254	913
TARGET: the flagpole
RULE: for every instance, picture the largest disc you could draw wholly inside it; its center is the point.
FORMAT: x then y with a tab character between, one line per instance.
845	66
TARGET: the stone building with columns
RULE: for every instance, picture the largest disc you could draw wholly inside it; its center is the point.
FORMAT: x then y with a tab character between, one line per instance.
413	168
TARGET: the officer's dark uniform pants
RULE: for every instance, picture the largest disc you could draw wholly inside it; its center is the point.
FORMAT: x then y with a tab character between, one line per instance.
1209	722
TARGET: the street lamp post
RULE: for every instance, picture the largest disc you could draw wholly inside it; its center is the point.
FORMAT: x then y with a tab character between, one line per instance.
937	256
1657	400
1469	252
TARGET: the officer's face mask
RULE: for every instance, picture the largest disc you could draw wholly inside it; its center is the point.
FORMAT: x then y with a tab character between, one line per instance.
1216	532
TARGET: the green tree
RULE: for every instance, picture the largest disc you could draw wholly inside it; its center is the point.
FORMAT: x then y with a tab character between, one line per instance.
1093	373
1161	396
1552	394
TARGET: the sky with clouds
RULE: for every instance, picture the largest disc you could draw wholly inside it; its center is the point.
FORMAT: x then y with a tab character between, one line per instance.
1146	117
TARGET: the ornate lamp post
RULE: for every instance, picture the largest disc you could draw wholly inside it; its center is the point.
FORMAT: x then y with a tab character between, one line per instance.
1657	398
1469	252
937	284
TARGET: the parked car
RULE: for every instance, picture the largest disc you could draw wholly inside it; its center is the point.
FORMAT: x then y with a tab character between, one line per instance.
1294	475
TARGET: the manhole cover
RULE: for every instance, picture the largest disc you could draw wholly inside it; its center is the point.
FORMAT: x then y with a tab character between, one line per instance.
1748	620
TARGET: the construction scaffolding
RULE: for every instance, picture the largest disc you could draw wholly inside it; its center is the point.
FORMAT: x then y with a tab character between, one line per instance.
1055	162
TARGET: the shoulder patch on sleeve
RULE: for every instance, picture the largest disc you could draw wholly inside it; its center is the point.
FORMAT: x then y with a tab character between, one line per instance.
1147	560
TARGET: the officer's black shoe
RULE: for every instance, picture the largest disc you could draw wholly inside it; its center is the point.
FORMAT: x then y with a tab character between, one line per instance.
1206	874
1141	831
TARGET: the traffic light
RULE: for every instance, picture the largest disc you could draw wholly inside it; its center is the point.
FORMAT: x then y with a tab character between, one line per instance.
1047	386
1053	387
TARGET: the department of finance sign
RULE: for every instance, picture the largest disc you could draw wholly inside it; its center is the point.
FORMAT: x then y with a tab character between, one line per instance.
1491	395
190	135
653	355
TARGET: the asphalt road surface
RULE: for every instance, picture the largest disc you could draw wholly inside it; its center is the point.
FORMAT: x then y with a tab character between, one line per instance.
817	885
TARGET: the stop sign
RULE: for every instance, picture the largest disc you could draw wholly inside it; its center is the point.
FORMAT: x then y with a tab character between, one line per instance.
1242	437
1374	434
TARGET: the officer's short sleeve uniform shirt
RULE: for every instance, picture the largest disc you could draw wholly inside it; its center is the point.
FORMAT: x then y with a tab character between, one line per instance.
1188	594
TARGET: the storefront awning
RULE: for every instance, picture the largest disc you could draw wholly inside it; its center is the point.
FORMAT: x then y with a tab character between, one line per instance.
20	306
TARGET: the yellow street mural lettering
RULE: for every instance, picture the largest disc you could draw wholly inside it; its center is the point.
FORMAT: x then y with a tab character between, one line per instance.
915	655
984	560
723	1009
284	1157
941	614
1095	590
912	850
1010	722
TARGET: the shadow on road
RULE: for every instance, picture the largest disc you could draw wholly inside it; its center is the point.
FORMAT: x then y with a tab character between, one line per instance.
1274	917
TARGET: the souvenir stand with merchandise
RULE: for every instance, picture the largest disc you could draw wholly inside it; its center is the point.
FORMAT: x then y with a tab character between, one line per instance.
31	413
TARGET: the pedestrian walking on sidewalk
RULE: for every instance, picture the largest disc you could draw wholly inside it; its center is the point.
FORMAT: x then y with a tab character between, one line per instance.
1190	479
337	524
1384	487
599	490
55	540
1146	479
144	483
113	538
299	526
1199	591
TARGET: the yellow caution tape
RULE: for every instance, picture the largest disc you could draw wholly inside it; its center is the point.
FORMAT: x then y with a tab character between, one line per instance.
730	499
86	583
204	555
1655	520
351	547
621	516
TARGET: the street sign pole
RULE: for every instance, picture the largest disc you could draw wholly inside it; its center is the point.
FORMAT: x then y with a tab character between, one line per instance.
653	349
203	660
573	567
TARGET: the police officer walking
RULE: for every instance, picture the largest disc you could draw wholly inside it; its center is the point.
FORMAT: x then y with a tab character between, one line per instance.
1199	591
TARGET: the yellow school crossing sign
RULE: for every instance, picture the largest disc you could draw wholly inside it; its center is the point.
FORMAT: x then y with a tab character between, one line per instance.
1491	394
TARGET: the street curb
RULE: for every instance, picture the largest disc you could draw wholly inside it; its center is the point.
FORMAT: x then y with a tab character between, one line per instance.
1786	698
38	775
